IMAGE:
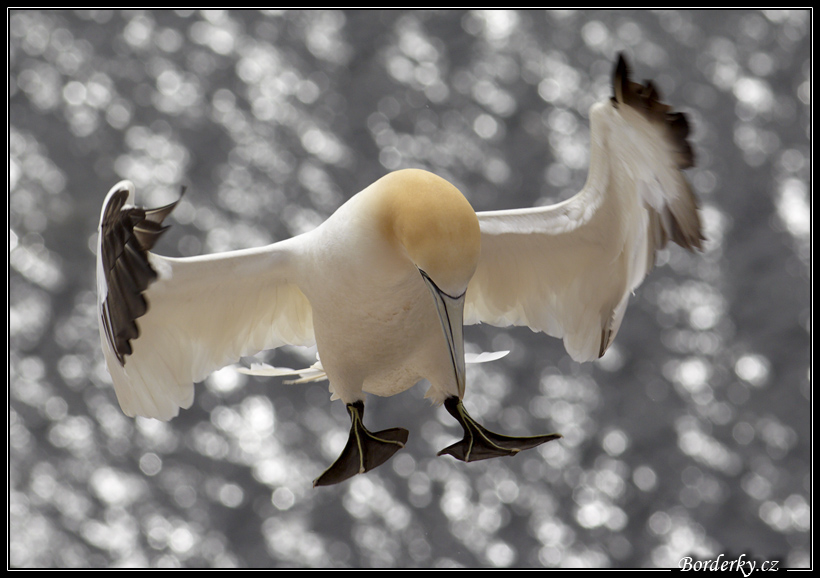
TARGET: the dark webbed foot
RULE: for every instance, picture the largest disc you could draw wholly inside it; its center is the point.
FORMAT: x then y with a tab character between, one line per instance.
364	450
479	443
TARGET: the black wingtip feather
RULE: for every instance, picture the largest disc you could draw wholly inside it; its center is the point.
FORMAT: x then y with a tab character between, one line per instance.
620	79
683	228
647	99
128	234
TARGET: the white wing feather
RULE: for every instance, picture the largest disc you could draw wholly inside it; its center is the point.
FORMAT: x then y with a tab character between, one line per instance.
316	372
568	269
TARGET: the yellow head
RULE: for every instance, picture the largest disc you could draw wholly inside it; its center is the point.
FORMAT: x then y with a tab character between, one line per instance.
435	225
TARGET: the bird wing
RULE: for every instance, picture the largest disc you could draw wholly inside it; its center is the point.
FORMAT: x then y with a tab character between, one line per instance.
568	269
166	323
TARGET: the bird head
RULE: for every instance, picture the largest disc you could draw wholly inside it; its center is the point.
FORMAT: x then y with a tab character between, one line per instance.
435	225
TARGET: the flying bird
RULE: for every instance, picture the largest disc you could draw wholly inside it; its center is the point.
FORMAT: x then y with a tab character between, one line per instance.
384	286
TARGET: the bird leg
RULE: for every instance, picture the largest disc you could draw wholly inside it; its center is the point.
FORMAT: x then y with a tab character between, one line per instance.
479	443
364	451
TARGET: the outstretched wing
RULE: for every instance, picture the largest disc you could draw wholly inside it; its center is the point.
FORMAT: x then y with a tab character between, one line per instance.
166	323
568	269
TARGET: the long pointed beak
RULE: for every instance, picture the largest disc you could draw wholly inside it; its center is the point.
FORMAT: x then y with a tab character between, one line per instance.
451	314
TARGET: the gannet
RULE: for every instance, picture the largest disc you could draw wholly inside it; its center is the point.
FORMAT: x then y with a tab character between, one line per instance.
383	287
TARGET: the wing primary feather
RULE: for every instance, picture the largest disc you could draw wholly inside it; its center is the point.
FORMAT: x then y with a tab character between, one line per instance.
620	81
681	220
127	234
158	215
647	100
604	341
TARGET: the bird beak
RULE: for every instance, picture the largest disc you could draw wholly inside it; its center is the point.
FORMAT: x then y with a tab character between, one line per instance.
451	314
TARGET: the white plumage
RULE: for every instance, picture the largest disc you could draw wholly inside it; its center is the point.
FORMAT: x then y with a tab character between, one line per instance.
352	286
568	269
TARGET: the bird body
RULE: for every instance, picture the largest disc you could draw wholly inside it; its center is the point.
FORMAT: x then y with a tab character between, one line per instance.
385	284
375	325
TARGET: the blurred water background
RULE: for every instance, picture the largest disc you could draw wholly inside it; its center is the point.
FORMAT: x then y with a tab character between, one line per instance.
690	437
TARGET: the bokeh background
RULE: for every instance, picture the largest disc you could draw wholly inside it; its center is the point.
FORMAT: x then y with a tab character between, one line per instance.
690	437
